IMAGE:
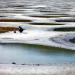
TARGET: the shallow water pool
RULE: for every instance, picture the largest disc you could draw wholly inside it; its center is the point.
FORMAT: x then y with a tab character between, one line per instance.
33	54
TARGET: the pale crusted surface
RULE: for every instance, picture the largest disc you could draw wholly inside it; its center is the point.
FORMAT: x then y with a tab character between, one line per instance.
63	69
39	37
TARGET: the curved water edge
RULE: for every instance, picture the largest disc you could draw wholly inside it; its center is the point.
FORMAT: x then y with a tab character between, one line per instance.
24	54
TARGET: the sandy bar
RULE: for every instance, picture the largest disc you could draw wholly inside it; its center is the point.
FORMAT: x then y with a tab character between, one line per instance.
53	69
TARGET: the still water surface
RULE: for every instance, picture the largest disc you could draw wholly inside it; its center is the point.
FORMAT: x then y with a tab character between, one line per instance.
30	54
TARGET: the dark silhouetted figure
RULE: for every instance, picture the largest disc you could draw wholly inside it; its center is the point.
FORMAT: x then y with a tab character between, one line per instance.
20	29
13	63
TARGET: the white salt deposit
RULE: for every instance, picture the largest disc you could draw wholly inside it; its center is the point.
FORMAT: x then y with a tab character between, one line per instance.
64	69
47	38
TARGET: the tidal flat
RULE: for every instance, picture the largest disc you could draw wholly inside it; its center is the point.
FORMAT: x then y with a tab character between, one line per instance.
46	46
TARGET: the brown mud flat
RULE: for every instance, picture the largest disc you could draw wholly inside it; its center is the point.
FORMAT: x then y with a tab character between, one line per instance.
6	29
15	20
